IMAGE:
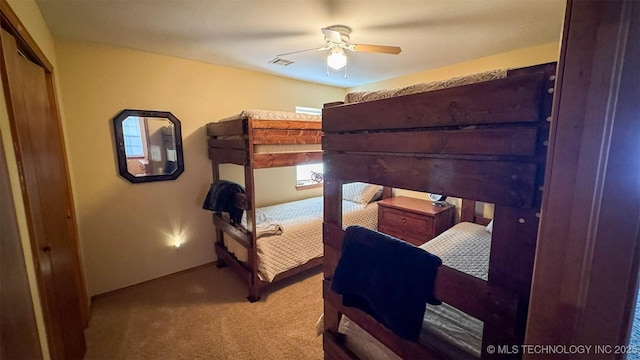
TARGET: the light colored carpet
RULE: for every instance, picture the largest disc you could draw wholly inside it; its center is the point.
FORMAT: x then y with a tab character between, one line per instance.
204	314
634	341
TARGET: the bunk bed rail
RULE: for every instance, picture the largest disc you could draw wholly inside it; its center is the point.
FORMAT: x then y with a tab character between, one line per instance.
484	141
234	142
510	100
492	304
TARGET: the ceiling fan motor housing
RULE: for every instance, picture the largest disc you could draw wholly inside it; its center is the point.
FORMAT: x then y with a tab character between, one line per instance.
345	33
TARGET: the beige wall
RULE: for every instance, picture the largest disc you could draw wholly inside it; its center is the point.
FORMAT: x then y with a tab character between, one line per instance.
513	59
127	229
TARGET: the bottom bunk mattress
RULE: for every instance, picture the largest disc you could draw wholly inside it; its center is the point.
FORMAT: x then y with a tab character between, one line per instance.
301	237
465	247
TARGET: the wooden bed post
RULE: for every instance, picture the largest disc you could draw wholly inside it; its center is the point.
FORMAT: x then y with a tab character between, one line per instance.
332	219
468	210
513	245
219	234
254	287
586	279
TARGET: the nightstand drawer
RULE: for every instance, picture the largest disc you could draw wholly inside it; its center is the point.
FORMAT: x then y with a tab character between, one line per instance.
414	239
413	220
406	223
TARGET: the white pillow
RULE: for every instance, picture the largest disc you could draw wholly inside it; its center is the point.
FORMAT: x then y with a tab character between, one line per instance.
490	227
360	193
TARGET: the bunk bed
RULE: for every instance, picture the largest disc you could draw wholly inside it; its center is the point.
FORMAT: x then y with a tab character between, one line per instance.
484	141
273	243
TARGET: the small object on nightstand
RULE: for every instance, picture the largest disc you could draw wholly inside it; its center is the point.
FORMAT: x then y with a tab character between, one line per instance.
437	199
414	220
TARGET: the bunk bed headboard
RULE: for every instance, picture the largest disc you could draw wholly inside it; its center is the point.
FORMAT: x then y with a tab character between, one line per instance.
486	142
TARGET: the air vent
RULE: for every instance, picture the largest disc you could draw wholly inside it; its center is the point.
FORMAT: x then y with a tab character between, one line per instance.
280	61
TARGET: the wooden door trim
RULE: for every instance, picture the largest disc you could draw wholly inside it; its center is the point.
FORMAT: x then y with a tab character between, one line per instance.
588	247
26	43
10	22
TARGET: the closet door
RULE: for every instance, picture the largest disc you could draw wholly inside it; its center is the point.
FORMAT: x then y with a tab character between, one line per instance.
19	332
45	186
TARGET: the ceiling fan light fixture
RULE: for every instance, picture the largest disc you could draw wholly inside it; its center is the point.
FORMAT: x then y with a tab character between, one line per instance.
337	58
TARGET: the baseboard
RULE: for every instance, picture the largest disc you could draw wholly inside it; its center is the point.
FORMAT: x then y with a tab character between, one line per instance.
117	291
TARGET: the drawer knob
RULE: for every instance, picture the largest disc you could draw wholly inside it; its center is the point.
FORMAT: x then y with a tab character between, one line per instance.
404	220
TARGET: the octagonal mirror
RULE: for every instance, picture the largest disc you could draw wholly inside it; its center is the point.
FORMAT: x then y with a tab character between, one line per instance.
148	145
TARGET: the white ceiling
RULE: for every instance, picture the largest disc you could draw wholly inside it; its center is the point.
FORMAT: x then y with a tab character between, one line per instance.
249	33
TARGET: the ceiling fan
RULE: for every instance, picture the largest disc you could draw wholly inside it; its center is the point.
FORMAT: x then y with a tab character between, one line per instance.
337	38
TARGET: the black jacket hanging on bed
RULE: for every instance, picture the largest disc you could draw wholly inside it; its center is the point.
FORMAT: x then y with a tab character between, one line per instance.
221	197
387	278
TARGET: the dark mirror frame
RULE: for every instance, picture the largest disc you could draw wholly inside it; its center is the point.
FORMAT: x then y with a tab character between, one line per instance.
120	150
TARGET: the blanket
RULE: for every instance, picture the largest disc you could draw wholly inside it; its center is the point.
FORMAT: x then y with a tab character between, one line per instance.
387	278
265	224
221	197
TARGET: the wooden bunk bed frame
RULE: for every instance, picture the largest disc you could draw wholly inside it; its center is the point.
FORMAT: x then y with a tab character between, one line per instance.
233	142
485	141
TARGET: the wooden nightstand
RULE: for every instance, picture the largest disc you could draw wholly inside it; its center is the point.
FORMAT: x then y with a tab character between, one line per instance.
413	220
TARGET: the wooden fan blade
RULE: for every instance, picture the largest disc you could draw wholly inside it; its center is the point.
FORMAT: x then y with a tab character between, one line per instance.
394	50
299	51
332	35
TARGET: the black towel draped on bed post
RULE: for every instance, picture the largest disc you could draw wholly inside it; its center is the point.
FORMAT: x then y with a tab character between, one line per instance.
367	278
221	197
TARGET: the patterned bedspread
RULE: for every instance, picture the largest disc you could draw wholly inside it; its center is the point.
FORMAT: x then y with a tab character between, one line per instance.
465	247
301	239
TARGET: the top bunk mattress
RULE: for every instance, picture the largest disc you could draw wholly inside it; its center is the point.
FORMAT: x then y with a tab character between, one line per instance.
258	114
361	96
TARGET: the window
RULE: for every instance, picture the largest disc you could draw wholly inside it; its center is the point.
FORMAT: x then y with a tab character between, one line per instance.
307	175
308	110
132	137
